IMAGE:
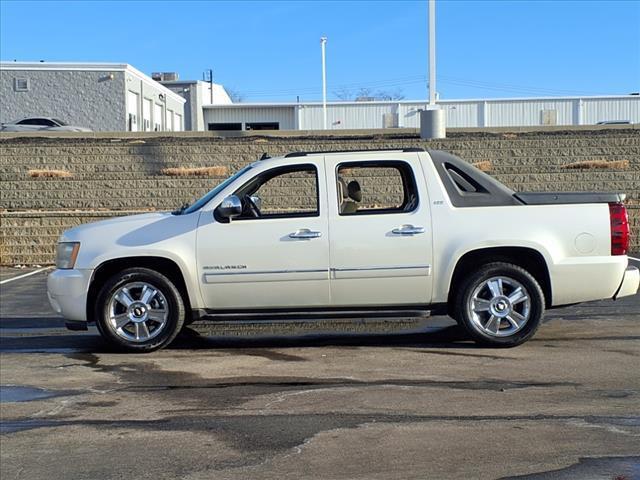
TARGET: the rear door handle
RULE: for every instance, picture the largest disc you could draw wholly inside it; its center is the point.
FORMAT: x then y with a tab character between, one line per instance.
304	234
408	230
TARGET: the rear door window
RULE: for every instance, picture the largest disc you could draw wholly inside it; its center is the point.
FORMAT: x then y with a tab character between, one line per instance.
380	187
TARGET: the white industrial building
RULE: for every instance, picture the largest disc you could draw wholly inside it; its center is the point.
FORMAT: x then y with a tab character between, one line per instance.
196	93
512	112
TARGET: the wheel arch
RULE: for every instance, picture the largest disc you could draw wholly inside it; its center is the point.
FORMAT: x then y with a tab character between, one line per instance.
528	258
163	265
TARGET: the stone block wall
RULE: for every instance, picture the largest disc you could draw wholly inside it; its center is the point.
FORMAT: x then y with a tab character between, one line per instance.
121	175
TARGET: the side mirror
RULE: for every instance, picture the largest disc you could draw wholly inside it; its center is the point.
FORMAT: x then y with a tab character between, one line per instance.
257	201
230	207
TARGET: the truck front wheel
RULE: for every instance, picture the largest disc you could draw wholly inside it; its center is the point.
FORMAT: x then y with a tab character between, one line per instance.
499	305
139	310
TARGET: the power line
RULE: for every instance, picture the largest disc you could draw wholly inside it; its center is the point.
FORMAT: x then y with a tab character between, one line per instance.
418	79
510	87
370	84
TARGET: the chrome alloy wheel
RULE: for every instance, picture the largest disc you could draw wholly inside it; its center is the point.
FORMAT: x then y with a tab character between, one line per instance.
138	312
499	306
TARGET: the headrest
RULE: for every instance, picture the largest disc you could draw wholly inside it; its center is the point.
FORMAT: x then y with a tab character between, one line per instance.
354	191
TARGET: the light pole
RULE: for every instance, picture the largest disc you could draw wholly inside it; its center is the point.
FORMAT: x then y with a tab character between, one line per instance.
323	43
432	52
432	119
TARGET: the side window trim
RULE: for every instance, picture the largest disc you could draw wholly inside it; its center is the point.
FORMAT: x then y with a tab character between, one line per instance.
285	169
409	186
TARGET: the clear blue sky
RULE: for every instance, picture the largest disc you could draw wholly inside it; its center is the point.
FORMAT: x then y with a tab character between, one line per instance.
270	51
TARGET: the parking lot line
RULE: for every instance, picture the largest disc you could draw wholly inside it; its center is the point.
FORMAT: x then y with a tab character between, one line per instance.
634	258
24	275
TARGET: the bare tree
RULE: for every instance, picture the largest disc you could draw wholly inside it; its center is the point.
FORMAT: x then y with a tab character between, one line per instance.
235	95
388	95
344	94
366	94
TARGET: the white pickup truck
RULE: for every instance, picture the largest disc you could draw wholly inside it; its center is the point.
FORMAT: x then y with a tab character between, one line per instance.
342	231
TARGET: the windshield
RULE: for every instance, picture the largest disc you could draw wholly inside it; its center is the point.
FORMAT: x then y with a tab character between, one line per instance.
59	122
212	193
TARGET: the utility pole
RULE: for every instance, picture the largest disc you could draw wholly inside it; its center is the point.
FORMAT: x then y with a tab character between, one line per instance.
211	84
323	43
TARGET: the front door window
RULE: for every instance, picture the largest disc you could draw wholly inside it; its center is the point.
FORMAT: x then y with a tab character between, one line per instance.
285	192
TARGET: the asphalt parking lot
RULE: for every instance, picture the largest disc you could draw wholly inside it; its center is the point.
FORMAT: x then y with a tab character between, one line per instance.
364	399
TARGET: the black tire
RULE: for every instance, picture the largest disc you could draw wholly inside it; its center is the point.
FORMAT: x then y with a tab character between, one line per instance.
477	284
169	303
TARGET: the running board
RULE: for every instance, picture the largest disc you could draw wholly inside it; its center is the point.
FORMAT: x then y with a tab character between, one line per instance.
310	314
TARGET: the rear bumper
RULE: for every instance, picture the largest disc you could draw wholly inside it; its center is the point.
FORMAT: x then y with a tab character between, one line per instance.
582	279
67	292
630	283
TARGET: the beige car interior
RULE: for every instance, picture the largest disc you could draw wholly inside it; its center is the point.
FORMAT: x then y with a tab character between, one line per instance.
349	195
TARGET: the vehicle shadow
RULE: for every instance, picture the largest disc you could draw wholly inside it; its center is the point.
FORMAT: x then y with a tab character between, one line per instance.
57	340
442	337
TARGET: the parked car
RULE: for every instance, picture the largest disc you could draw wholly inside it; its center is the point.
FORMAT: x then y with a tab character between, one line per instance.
34	124
366	230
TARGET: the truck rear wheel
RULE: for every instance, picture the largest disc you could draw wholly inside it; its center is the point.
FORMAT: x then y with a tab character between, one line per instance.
499	305
139	310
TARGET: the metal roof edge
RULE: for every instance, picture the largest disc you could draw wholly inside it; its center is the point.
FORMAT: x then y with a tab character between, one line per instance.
146	78
91	67
423	102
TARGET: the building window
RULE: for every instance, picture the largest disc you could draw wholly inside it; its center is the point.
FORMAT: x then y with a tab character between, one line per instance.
133	111
168	125
21	84
262	126
224	126
157	117
177	122
146	114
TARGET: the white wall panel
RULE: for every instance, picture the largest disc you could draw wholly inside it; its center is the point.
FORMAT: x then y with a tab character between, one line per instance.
600	110
520	113
460	114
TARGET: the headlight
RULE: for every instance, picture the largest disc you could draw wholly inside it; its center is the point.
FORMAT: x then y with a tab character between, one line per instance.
66	254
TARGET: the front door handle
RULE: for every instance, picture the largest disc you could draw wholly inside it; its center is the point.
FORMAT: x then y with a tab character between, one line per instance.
408	230
304	234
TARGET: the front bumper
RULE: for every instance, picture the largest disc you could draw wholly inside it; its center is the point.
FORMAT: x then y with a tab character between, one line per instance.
67	292
630	283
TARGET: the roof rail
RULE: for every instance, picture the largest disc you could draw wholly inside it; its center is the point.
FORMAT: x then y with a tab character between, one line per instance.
304	154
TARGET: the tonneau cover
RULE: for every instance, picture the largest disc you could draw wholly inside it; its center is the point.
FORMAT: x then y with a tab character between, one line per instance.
551	198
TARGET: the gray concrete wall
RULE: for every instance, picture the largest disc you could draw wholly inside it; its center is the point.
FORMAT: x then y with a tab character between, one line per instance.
82	98
192	108
113	175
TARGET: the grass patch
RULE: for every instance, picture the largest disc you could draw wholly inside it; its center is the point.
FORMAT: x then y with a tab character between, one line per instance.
484	166
598	165
217	171
37	173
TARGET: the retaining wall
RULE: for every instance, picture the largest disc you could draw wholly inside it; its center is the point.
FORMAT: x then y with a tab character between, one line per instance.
122	175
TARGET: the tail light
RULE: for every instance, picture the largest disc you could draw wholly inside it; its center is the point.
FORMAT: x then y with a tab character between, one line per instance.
619	229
